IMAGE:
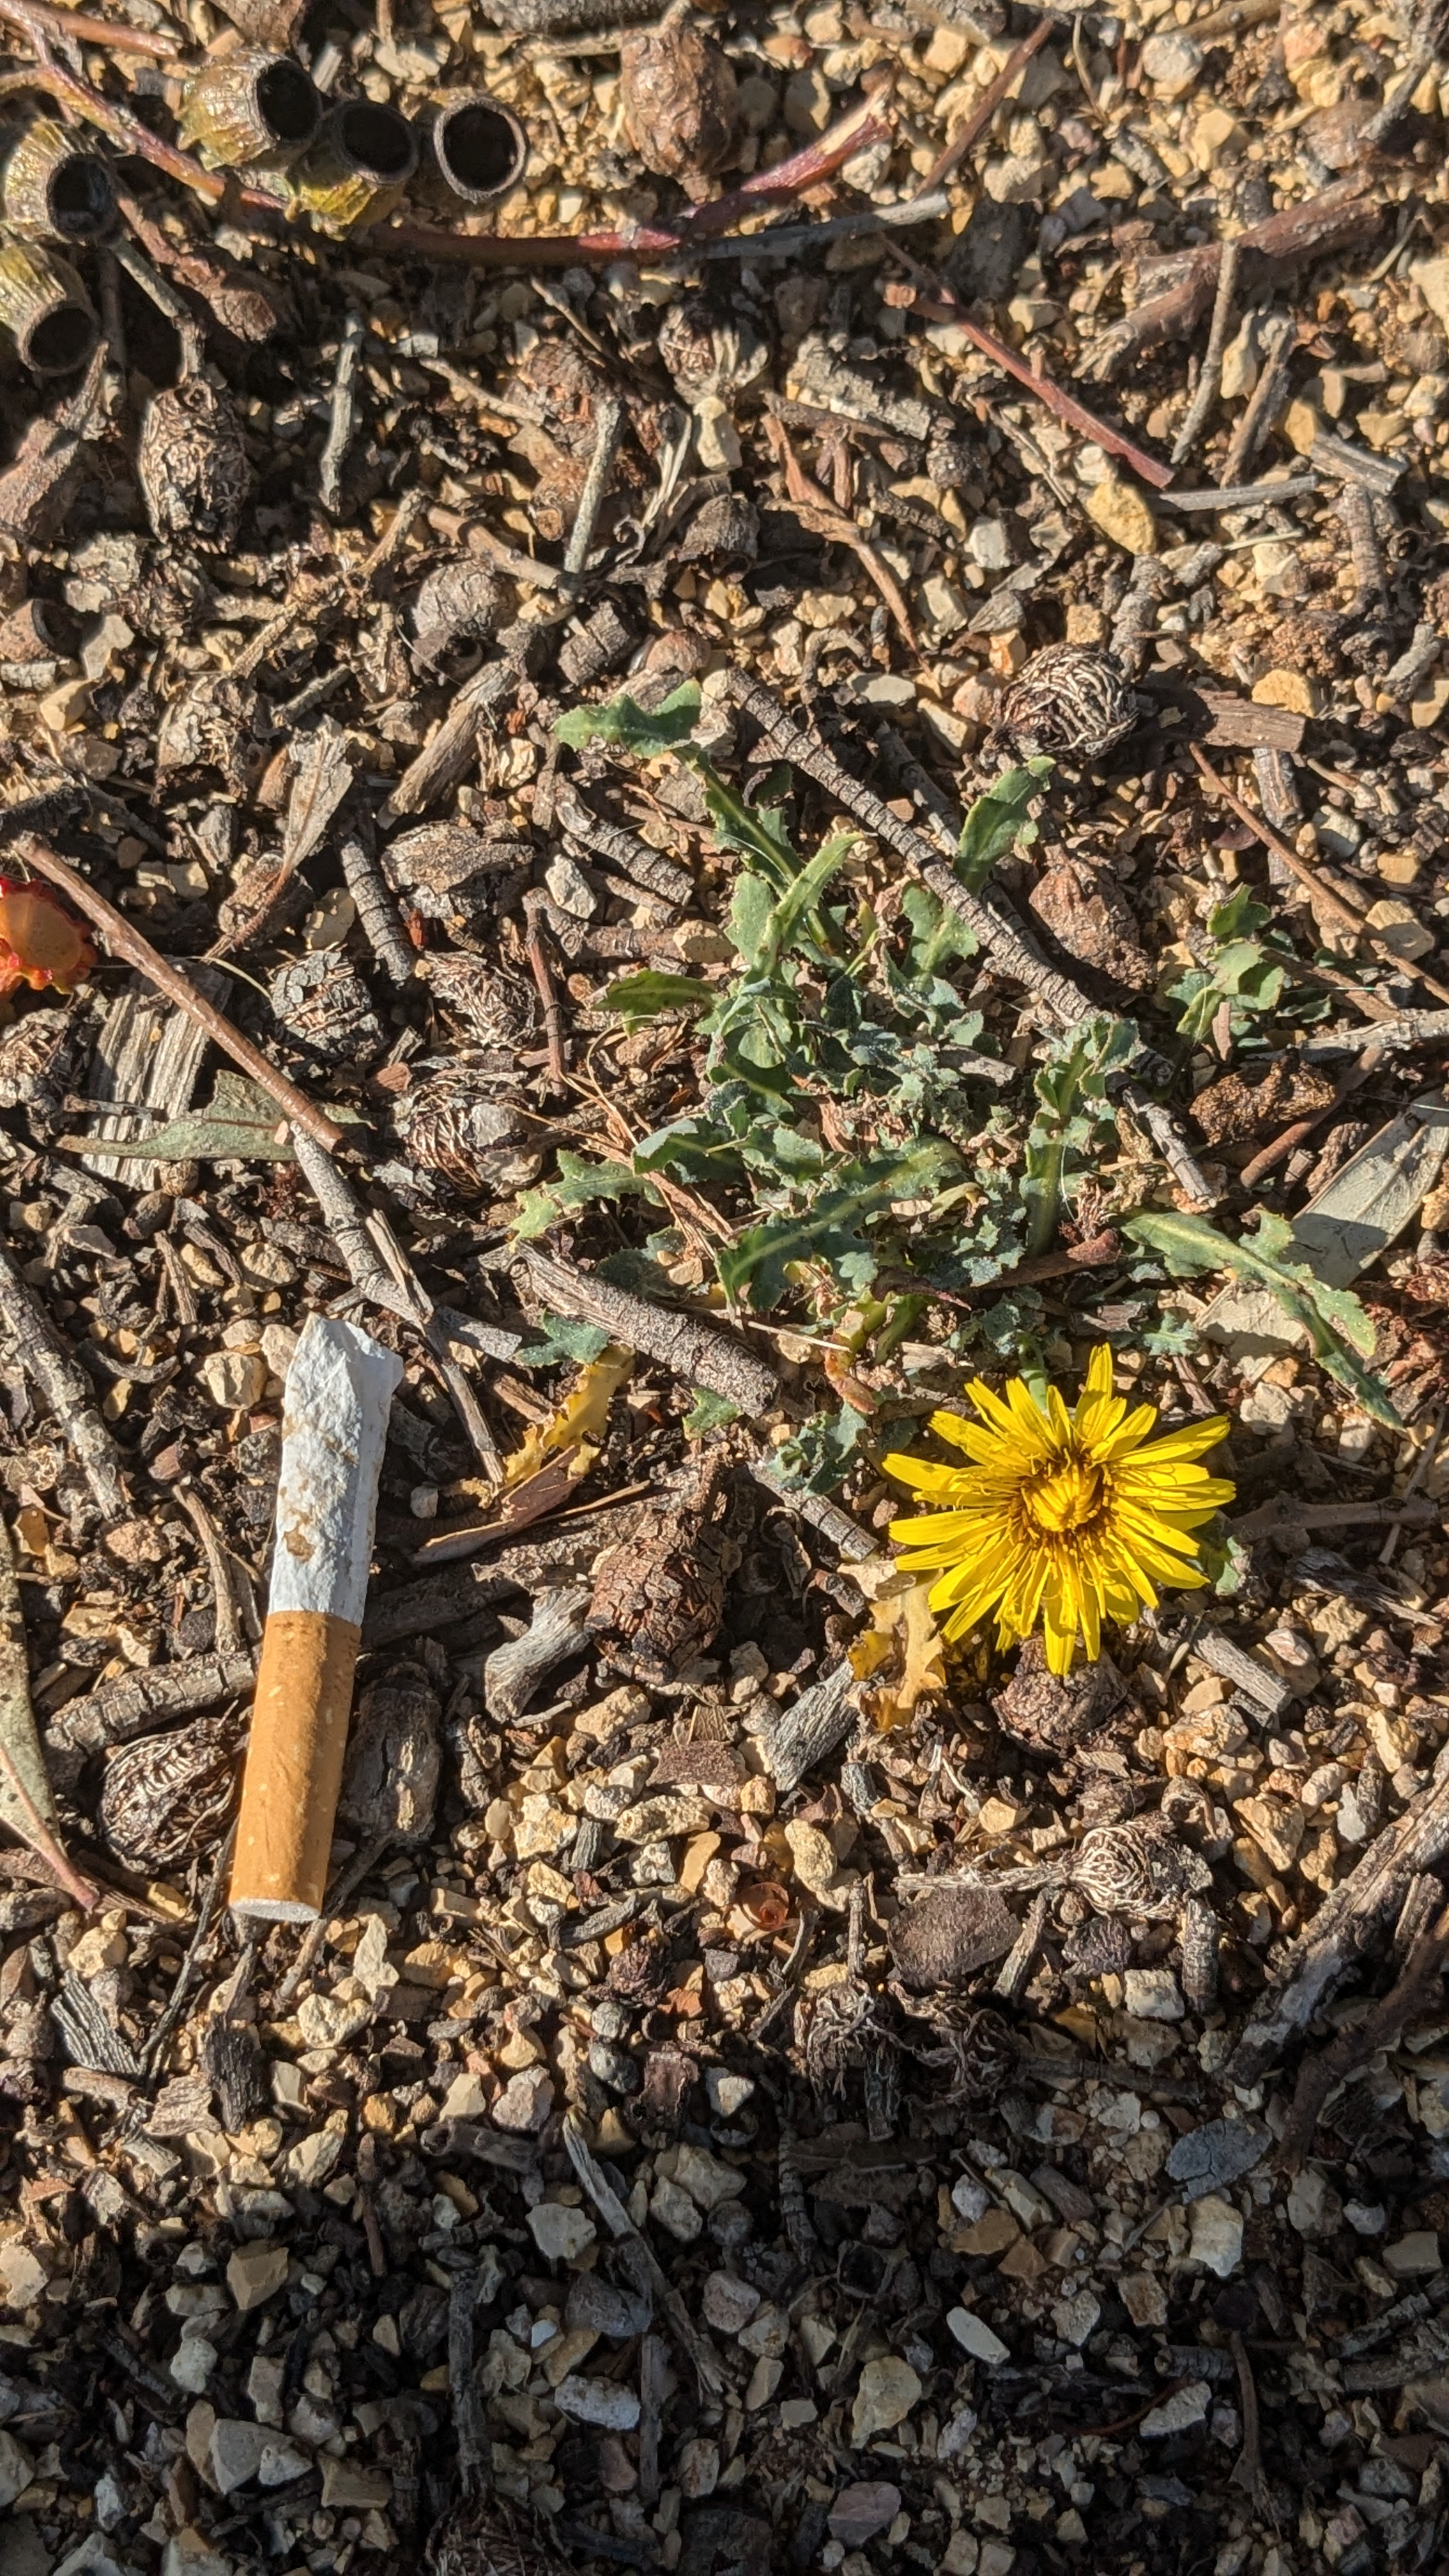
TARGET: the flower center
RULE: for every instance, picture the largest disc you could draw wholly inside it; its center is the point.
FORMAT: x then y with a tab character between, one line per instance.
1064	1498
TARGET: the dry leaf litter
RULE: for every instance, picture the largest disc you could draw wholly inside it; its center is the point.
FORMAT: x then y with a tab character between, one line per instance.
488	495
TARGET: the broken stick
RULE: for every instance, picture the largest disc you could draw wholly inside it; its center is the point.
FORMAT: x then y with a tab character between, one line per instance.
124	940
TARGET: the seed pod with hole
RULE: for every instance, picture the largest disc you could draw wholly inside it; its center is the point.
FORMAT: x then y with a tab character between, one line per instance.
357	169
53	189
680	101
44	309
248	109
191	464
479	148
1071	700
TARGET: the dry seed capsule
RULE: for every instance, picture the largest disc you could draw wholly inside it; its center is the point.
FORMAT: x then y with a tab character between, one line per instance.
479	148
191	464
53	189
249	108
680	101
44	309
1070	699
358	167
168	1796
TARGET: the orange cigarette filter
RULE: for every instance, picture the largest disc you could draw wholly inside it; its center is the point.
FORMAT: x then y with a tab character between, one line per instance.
339	1388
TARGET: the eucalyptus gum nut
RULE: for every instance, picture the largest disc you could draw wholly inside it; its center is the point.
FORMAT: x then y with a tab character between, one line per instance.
252	107
44	309
359	166
52	188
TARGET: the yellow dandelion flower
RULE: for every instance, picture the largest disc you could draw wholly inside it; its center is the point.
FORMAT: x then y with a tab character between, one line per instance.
1072	1518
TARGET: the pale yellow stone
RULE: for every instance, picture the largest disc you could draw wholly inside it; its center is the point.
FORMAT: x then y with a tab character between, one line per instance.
825	608
1301	427
817	1865
1122	514
1401	867
1295	690
1086	623
1428	708
1380	428
1400	929
1113	184
1217	136
1276	1825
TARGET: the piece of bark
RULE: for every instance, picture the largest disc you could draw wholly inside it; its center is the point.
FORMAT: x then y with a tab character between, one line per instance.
1267	252
702	1354
150	1056
1343	1928
29	1342
120	1711
1412	1991
90	2038
442	761
634	858
231	2057
1218	716
810	1728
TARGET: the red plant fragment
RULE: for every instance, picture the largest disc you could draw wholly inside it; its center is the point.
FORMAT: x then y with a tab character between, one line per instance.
40	942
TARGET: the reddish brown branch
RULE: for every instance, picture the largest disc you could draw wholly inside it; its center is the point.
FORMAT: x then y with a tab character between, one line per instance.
126	942
1266	252
946	307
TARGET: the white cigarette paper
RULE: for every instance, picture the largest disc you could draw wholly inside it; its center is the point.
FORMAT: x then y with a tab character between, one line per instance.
334	1427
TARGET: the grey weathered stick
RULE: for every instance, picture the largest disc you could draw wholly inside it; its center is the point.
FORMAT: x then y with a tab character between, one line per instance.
1207	384
639	2261
1014	1974
342	416
1407	1029
702	1354
1343	1927
1243	1670
142	1704
818	1511
27	1808
29	1341
1009	949
623	850
404	1295
531	1565
377	912
608	430
1279	342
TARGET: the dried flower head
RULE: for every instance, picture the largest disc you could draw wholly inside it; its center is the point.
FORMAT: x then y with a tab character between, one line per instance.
192	465
168	1795
40	942
1070	699
1072	1518
453	1122
1136	1869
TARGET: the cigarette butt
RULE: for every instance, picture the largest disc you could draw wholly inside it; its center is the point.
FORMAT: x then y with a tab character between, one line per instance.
294	1758
339	1387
